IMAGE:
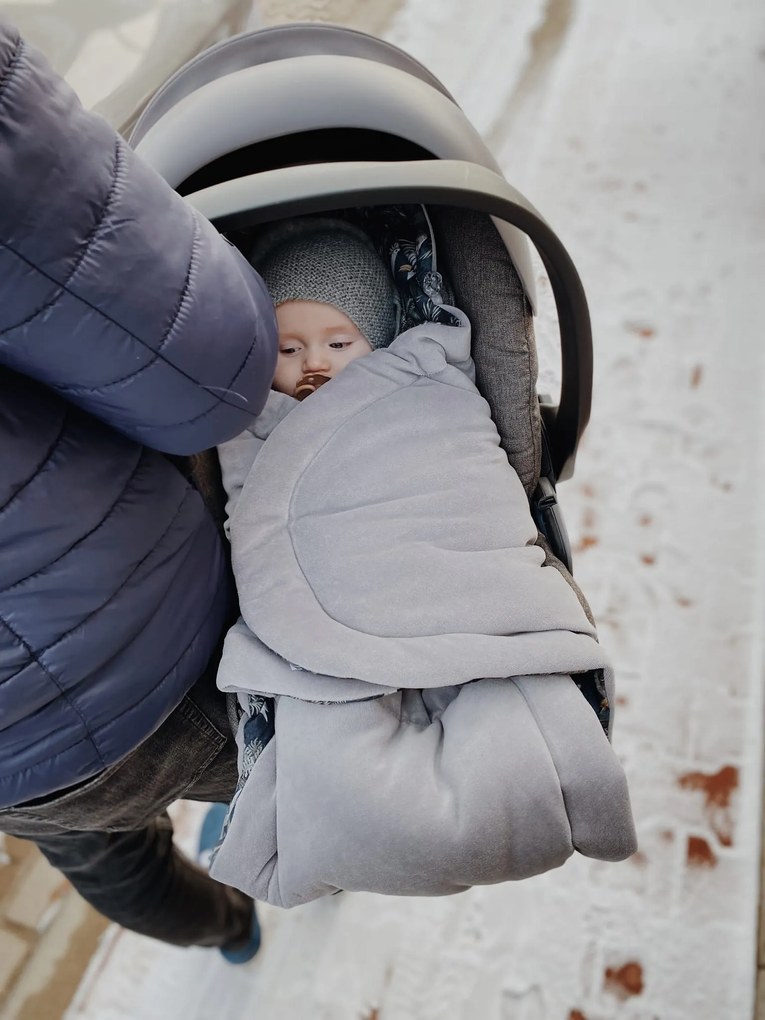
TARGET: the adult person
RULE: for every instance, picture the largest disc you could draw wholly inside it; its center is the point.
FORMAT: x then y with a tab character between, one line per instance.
132	336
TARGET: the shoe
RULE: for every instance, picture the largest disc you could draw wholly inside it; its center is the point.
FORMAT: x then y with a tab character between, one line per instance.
244	953
209	834
209	837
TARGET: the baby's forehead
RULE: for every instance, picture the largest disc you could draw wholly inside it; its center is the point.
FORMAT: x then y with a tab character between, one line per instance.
314	317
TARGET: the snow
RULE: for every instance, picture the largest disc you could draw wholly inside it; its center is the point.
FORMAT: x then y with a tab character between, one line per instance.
636	129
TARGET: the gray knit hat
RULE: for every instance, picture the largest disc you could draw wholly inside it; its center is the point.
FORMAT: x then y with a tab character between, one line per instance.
329	260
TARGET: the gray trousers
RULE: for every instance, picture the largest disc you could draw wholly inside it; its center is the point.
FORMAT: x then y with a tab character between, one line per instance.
112	837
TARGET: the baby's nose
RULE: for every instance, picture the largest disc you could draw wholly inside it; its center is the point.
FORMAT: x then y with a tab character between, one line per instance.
315	361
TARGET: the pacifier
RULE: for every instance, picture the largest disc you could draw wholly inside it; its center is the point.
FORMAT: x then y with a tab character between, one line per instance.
308	384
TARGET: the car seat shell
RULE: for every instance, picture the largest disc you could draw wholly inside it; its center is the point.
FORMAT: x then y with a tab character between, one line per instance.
291	90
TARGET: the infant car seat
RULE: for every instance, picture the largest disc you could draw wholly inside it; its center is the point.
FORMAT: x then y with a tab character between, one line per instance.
307	118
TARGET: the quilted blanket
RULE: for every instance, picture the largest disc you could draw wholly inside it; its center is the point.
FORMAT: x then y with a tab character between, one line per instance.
425	732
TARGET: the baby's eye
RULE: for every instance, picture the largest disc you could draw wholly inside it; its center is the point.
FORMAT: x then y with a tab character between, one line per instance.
288	351
340	345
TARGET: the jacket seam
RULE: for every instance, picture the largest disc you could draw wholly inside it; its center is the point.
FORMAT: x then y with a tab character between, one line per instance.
184	293
31	768
91	737
203	414
209	390
12	68
40	467
62	691
98	609
85	537
85	247
34	765
166	677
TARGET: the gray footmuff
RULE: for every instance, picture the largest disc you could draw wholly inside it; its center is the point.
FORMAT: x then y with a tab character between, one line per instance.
427	734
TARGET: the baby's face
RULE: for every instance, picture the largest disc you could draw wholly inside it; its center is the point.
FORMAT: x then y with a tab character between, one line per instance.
314	339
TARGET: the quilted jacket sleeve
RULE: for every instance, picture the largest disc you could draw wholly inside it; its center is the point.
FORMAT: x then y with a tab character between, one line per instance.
114	292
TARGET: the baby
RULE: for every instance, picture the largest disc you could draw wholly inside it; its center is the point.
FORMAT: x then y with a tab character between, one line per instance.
335	300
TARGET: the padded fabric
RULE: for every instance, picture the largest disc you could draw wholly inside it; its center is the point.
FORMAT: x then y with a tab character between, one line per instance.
116	293
395	603
397	796
126	322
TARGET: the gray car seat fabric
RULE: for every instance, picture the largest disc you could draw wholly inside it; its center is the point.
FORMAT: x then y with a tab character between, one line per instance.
487	287
489	290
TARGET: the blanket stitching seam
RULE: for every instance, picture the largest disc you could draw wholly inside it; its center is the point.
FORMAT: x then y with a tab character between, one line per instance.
298	481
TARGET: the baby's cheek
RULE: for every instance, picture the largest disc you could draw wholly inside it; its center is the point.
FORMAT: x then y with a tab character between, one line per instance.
283	376
360	350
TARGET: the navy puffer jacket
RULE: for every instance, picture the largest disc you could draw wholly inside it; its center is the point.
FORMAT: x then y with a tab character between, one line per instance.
126	322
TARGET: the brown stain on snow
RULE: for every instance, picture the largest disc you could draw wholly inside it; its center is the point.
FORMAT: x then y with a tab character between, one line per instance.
641	329
718	788
645	520
648	559
696	376
624	981
700	854
586	542
576	1014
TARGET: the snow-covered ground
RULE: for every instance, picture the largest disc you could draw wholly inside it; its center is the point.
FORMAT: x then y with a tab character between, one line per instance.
116	53
637	129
